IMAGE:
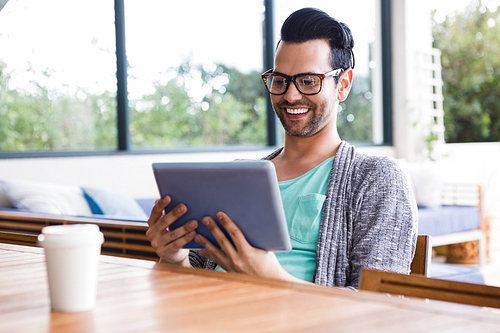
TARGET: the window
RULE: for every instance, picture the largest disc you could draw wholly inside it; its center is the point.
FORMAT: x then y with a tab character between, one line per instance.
194	75
57	76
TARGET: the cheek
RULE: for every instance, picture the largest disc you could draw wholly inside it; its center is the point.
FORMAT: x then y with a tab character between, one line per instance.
275	99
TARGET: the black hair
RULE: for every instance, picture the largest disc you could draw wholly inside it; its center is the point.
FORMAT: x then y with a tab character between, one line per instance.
310	23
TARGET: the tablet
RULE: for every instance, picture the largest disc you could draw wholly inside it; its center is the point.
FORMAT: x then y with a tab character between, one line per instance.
247	191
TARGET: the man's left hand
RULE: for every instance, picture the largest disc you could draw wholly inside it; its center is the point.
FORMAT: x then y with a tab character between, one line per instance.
242	257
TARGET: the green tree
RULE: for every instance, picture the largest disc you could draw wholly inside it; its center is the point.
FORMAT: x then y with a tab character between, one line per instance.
470	45
201	106
44	119
209	105
354	120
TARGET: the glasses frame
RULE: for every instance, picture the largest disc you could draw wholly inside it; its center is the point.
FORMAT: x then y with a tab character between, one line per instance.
270	72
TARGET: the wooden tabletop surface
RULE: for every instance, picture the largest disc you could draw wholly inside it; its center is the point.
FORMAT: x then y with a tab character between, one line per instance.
141	296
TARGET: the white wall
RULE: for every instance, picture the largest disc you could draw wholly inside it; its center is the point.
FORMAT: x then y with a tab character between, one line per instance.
475	163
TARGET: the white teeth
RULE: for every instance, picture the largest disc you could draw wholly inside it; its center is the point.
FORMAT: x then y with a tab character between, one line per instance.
296	111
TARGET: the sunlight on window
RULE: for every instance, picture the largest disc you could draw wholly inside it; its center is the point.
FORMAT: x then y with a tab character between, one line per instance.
199	70
57	76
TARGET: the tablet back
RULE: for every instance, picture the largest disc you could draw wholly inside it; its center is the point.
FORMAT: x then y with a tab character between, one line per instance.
247	191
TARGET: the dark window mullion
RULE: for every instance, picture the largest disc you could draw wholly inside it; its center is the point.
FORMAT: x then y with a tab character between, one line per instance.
272	133
123	113
386	41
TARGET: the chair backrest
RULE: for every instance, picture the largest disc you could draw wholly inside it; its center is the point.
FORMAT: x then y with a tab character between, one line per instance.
421	263
423	287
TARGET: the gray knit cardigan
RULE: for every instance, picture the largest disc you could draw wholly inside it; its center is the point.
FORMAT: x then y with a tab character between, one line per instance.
369	220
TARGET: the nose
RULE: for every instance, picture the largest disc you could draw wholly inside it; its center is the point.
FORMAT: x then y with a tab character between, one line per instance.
292	94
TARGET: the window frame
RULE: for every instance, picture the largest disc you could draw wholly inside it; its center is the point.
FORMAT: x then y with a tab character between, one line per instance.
123	113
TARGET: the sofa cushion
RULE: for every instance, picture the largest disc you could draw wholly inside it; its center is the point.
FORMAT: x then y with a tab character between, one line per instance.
448	220
110	203
460	273
46	197
146	204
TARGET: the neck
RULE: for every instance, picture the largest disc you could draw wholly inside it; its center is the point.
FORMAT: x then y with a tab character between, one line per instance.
320	146
301	154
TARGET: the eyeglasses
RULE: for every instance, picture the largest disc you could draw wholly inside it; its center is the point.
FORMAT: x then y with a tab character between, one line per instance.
307	84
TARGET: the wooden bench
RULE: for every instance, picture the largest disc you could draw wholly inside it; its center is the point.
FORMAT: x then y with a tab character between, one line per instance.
121	238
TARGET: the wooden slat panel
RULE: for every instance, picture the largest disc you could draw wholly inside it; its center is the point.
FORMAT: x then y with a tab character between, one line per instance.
122	238
423	287
18	238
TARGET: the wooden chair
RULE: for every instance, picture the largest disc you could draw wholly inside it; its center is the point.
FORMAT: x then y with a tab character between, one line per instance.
421	263
423	287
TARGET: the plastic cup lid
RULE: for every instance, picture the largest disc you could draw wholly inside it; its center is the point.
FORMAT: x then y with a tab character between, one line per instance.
70	235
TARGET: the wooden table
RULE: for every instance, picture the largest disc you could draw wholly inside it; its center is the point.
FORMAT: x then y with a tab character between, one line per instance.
142	296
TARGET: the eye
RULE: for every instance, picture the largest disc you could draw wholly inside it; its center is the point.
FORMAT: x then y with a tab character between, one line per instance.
279	81
308	80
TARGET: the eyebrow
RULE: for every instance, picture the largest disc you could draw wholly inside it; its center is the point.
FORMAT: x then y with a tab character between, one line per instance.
274	72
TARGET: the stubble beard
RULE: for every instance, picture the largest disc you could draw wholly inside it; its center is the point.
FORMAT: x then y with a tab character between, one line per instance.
313	126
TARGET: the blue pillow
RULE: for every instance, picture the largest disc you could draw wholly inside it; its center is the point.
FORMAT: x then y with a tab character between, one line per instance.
110	203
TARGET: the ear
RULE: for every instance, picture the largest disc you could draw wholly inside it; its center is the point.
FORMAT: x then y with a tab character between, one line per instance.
344	85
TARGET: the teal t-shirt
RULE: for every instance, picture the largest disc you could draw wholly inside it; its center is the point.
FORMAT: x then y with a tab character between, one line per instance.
303	199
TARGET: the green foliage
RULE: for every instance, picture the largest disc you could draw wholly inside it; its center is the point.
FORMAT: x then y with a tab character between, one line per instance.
354	121
44	119
201	107
470	45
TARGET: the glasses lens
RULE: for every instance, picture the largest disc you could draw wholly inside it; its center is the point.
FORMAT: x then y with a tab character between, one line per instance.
276	84
309	84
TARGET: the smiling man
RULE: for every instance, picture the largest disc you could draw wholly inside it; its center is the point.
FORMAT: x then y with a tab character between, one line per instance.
344	210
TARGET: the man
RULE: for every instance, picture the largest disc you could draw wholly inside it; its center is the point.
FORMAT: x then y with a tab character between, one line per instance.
344	210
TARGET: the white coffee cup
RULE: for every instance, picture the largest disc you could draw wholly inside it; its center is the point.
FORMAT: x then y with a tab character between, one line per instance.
72	257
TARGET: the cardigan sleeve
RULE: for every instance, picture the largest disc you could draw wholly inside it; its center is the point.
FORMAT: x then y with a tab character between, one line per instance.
383	223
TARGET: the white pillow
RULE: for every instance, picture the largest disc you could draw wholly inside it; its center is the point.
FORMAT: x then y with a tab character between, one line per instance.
111	203
428	183
46	197
4	198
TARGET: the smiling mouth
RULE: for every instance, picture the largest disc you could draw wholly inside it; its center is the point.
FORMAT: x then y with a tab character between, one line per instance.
297	111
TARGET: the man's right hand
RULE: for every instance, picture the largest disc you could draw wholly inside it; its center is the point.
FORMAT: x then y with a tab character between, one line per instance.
168	244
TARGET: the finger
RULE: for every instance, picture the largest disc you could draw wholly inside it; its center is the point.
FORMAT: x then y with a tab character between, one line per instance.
174	252
180	232
212	252
172	216
178	243
234	232
158	210
170	242
160	227
219	236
